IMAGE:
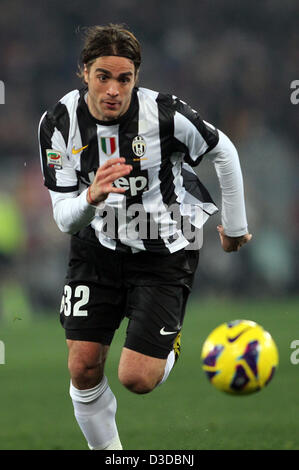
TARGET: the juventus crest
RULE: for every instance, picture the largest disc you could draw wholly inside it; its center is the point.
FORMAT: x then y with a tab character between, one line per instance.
139	146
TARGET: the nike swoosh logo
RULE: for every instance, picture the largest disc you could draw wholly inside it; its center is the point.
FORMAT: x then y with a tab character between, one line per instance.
231	340
163	332
75	151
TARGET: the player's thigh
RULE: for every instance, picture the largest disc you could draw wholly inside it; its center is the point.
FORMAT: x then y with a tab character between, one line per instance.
156	314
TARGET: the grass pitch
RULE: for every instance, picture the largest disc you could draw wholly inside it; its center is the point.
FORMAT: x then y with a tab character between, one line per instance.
185	413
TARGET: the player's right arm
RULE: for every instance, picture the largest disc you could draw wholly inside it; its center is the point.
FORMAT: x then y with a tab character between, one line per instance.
73	211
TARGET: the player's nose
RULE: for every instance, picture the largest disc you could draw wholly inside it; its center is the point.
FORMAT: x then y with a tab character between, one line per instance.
112	90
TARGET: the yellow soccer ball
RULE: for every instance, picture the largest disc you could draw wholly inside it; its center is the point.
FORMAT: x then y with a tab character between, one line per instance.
239	357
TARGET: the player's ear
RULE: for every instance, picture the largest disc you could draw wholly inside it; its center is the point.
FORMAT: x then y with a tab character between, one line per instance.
85	73
136	77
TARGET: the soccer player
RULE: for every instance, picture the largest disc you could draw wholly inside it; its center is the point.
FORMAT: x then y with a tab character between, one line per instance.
108	151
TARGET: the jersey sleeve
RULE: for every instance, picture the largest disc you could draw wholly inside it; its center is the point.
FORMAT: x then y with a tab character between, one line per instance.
228	169
58	173
193	136
71	212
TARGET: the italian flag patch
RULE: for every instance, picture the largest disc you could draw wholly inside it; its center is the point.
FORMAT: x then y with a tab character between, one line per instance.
108	145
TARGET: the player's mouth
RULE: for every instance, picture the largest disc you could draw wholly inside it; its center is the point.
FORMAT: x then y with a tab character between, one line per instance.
112	105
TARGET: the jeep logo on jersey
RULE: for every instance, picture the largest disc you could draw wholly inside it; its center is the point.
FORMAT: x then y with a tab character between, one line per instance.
139	146
108	145
133	183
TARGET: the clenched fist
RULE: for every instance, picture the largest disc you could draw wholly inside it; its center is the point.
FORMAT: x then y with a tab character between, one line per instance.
232	243
106	174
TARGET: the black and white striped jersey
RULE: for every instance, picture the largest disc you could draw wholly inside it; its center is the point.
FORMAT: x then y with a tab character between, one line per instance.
162	138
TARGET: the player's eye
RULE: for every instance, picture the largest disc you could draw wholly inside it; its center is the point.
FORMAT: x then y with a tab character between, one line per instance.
102	78
125	80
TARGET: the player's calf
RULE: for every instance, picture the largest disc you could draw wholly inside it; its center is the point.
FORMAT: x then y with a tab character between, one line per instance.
93	400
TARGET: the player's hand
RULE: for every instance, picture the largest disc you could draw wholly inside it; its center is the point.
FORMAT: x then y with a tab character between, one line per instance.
232	243
106	174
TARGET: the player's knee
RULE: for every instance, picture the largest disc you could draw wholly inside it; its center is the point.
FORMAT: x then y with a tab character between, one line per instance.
139	383
86	363
84	374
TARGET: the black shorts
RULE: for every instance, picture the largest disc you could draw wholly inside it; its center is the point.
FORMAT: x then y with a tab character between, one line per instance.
103	286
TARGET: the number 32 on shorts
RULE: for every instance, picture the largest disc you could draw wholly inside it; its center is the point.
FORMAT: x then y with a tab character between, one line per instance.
82	294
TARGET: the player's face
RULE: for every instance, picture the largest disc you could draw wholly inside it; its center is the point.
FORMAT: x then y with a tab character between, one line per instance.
110	80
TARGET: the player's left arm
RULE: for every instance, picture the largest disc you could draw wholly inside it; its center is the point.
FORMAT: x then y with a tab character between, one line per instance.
200	140
233	231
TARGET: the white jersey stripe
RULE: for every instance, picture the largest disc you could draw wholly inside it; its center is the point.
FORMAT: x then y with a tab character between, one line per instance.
187	133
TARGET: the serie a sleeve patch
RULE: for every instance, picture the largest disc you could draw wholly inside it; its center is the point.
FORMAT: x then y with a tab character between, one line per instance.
54	159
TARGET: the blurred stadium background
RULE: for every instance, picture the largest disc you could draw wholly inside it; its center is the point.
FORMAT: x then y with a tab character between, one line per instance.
233	62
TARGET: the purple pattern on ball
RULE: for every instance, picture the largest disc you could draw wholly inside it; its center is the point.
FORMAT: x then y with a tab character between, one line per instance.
251	356
211	374
211	358
240	379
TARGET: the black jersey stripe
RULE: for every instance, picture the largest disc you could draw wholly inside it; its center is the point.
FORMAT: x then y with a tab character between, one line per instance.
209	134
195	187
61	120
46	132
166	176
89	157
56	118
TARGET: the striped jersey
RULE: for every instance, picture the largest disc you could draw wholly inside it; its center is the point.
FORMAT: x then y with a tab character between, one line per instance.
162	138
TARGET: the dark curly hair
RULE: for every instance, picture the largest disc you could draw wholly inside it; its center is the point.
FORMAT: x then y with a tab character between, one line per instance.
112	39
